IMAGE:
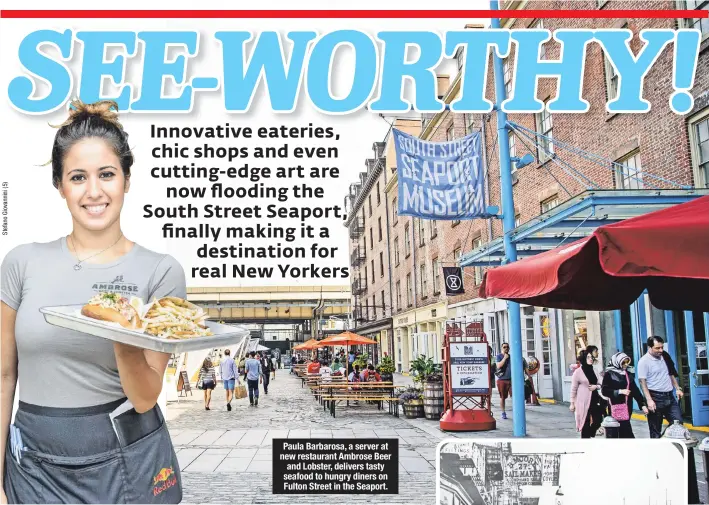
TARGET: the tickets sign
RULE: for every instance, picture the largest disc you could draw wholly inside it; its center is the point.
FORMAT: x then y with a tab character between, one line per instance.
470	368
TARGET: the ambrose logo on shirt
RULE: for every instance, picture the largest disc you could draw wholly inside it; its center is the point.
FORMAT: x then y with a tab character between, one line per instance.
117	285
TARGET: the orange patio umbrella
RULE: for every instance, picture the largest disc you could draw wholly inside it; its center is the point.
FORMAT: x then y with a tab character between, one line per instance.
347	338
310	345
305	345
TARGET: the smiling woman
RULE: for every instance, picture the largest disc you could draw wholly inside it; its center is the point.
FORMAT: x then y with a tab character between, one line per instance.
71	449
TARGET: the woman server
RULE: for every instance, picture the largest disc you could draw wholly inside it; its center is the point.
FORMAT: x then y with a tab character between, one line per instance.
75	438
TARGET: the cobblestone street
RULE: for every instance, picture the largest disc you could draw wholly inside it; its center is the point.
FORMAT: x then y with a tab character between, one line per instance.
225	456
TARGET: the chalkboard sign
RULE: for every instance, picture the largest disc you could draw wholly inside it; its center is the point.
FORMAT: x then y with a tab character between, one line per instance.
183	384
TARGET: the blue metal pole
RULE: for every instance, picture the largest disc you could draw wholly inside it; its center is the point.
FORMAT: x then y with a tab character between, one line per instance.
508	225
618	330
670	335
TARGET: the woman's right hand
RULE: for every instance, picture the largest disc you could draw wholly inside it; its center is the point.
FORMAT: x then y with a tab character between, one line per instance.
625	392
3	498
572	407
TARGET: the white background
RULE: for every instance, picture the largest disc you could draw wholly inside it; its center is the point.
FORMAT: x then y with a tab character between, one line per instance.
38	214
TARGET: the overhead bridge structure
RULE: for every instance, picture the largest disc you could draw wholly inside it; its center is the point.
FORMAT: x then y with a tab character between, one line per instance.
274	305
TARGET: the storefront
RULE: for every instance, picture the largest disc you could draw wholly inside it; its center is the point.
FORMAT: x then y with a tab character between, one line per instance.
419	332
556	336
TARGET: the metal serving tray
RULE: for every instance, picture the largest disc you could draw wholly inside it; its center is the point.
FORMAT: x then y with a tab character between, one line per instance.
68	316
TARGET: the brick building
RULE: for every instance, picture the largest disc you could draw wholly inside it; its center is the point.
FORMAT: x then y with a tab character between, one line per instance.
632	153
369	255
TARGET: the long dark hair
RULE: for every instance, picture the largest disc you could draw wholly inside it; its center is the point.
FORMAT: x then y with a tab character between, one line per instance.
93	120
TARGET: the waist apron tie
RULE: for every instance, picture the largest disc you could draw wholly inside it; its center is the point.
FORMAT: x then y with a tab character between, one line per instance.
103	454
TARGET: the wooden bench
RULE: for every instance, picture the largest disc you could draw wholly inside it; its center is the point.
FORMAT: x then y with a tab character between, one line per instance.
376	392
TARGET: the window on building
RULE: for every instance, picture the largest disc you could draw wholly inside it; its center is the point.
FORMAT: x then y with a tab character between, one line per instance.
518	220
374	305
407	240
384	308
369	198
381	263
434	228
469	123
379	195
371	238
539	25
601	3
629	172
436	276
513	150
398	295
507	73
394	212
365	276
450	132
611	79
396	251
422	232
372	272
409	291
701	24
424	281
456	254
460	58
699	138
545	126
549	203
379	225
477	271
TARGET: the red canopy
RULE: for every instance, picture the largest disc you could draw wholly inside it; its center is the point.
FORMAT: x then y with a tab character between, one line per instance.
665	252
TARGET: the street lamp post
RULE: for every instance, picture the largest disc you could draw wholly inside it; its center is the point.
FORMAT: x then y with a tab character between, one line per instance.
508	225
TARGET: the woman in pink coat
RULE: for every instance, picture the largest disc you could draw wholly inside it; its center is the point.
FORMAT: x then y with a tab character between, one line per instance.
585	399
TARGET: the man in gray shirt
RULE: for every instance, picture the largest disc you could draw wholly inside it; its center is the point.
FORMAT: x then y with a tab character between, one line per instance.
253	377
657	376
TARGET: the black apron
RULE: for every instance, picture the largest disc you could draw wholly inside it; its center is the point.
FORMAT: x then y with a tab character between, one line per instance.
77	455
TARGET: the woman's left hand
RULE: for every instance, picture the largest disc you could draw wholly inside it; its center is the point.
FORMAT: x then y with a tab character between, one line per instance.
592	387
645	411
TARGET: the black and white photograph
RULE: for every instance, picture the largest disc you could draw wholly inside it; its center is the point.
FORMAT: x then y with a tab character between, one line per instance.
552	472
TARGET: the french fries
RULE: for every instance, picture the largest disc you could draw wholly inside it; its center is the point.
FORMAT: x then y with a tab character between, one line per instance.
175	318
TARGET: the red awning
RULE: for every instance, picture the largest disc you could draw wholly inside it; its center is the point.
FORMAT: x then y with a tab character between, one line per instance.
665	252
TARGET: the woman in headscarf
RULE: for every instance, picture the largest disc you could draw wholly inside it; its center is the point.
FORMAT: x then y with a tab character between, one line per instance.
585	400
620	388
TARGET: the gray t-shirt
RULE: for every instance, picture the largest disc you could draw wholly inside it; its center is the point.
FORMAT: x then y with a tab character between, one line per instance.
65	368
654	371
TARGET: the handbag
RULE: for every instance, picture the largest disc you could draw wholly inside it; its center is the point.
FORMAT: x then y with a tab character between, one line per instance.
619	411
240	391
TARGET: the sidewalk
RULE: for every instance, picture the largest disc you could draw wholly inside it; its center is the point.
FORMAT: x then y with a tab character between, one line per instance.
225	456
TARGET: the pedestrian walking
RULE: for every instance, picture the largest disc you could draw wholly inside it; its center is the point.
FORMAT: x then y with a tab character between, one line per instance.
503	372
274	365
265	372
227	369
658	380
253	377
585	400
620	388
207	381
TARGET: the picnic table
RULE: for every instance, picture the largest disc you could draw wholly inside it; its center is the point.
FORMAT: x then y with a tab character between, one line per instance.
377	392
